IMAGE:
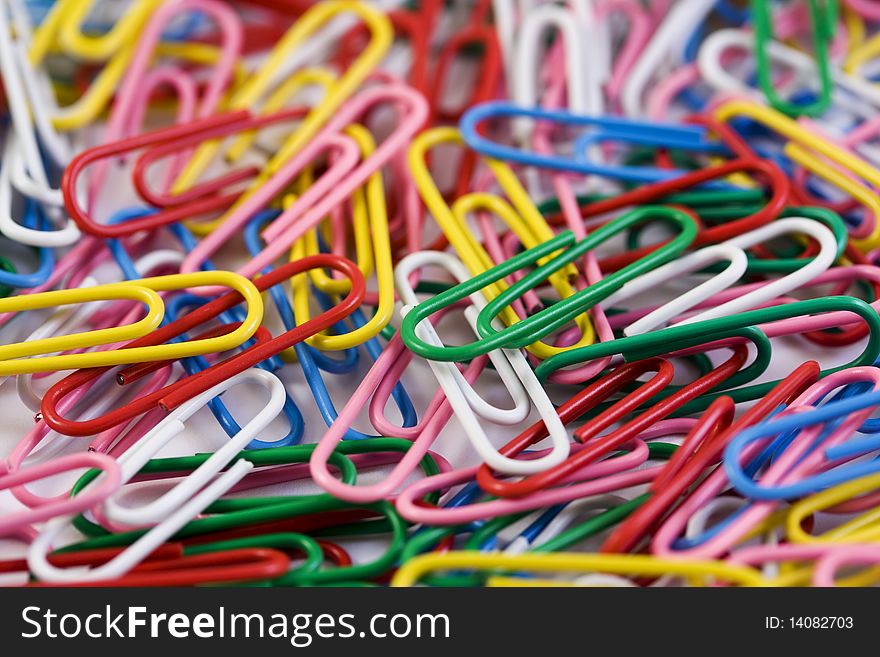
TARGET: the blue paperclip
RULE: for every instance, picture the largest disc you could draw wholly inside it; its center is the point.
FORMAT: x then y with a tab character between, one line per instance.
33	217
309	356
639	132
830	412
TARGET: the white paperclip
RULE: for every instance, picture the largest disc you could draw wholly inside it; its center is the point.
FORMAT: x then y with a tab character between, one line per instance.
851	92
732	250
670	38
511	365
176	507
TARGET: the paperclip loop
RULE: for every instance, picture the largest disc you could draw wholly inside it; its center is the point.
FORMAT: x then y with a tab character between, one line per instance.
139	80
172	425
201	199
511	366
671	135
14	356
14	523
823	18
297	219
172	396
274	66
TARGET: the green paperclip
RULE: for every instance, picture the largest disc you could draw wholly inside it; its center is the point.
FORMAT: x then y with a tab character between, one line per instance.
672	338
823	18
549	319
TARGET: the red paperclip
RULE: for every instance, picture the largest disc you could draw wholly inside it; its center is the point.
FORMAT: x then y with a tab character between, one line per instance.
598	447
176	393
200	199
701	450
224	567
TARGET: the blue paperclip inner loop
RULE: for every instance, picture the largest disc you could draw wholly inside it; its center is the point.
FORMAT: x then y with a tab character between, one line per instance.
33	217
195	364
309	356
638	132
831	414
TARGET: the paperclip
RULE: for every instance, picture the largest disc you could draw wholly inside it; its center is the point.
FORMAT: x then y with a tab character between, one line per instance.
640	131
294	222
802	142
511	366
171	396
823	16
14	522
144	290
410	572
549	319
862	528
171	426
531	228
598	478
249	93
200	199
682	18
132	87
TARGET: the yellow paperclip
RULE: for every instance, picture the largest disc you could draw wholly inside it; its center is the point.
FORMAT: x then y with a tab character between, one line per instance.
864	528
86	108
801	142
63	27
248	95
411	571
15	358
370	212
520	214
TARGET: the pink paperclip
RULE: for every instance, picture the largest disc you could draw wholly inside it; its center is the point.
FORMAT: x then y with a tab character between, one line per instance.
865	8
755	555
638	34
296	221
393	357
344	155
834	560
138	82
14	523
790	466
604	477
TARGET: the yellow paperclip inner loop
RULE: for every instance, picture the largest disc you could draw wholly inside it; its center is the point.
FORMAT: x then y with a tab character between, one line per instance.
54	298
86	108
526	222
63	27
864	528
143	290
381	38
411	571
375	213
803	139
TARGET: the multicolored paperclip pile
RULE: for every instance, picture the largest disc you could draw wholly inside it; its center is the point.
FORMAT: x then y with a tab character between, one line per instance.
451	293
